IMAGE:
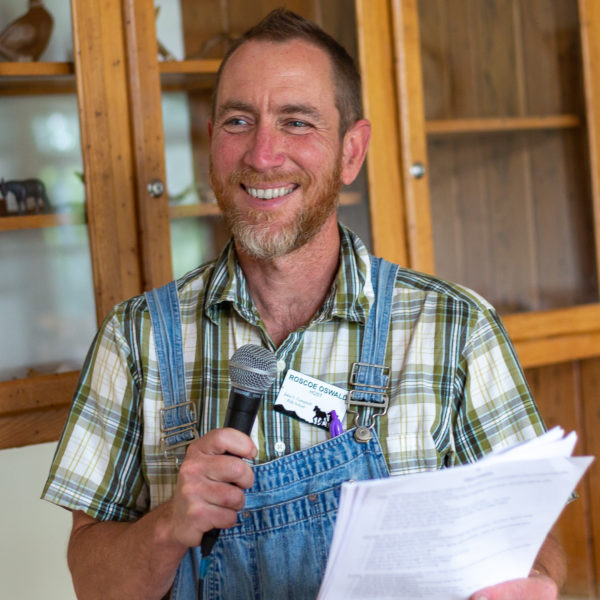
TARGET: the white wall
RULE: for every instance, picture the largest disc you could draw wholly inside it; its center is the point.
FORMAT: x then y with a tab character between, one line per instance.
33	533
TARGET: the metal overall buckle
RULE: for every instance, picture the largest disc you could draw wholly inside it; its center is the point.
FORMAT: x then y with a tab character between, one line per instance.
363	431
169	441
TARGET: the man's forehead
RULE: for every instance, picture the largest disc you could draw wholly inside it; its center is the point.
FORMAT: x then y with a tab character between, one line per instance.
296	65
297	108
295	48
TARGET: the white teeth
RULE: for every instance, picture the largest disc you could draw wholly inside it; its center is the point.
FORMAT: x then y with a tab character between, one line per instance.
269	193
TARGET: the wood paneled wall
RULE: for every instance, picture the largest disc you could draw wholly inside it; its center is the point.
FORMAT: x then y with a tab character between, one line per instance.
568	394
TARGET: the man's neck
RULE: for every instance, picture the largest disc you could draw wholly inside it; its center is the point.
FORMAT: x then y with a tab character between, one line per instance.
288	291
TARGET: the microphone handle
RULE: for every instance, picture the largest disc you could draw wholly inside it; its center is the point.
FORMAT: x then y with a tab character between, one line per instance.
241	413
242	409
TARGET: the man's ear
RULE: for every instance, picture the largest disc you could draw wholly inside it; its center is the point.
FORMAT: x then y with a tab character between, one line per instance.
354	149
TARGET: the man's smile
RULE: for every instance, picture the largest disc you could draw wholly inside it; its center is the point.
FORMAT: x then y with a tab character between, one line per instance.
269	193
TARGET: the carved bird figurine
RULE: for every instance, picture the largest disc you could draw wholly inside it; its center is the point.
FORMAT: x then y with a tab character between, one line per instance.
27	37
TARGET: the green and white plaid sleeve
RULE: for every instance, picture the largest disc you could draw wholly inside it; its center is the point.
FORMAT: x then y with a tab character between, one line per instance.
457	389
497	409
97	465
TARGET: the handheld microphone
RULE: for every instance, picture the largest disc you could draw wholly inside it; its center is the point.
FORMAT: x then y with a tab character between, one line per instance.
252	370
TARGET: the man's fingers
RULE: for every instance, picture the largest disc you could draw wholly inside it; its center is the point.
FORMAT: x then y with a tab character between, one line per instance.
211	483
224	441
205	468
200	484
538	587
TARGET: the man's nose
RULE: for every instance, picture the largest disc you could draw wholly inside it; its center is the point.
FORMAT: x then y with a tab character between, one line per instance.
265	149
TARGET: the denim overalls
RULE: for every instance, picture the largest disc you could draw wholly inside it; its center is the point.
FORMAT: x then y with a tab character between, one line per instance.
279	545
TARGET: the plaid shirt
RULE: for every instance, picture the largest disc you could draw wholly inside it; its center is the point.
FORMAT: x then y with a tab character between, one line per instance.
457	390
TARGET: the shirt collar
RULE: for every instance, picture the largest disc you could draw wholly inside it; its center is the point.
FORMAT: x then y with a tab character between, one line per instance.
349	299
351	293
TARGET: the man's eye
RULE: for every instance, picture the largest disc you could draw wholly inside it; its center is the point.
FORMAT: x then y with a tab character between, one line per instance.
298	125
235	122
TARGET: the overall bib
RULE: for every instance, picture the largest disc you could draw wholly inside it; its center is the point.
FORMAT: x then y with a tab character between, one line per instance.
279	545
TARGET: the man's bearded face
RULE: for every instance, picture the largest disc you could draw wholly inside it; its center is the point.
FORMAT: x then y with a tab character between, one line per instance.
269	234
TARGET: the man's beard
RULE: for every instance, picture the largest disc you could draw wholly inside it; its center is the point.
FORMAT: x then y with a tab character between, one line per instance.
258	232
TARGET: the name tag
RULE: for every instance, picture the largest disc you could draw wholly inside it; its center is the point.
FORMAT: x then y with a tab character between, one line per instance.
309	399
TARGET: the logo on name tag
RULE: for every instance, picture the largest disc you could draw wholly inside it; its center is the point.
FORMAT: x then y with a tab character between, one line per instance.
310	400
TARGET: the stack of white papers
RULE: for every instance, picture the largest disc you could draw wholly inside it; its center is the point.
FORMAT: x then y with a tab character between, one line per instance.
444	535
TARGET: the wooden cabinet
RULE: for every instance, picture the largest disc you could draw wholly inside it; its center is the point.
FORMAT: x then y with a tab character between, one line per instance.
142	219
35	396
499	116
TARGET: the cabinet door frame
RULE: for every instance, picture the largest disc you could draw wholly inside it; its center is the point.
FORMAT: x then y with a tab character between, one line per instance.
589	19
148	142
103	98
540	337
386	198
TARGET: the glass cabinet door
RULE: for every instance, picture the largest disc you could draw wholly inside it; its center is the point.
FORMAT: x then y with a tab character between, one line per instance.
507	149
193	37
47	316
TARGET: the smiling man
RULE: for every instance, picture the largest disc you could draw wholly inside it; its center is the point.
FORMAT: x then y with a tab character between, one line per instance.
285	134
278	160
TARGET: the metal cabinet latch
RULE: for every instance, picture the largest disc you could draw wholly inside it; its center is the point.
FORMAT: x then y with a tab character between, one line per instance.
156	188
417	170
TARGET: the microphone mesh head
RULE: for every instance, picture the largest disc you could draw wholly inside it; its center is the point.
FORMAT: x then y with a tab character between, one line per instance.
252	368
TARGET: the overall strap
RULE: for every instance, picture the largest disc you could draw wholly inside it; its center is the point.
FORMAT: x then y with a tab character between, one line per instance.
369	378
178	418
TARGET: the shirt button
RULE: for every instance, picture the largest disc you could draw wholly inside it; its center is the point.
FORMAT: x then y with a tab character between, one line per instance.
281	365
280	447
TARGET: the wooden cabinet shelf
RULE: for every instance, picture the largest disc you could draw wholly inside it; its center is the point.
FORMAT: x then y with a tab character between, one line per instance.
33	410
40	221
188	74
207	66
501	124
198	209
36	69
37	78
558	333
176	211
59	77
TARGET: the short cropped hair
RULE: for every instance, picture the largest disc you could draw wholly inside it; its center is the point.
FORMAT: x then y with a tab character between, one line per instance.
282	25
